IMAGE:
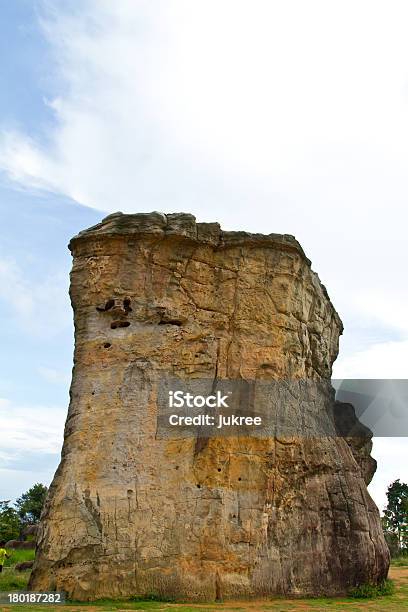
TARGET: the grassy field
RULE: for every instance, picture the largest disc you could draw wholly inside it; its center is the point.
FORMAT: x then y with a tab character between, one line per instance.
10	579
18	556
400	562
397	602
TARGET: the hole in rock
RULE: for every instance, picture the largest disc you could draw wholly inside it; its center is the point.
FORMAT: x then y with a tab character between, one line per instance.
240	478
107	345
109	304
268	366
219	470
170	322
198	486
126	305
116	324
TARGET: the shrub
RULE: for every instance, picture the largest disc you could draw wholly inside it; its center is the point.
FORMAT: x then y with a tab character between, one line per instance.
151	597
368	591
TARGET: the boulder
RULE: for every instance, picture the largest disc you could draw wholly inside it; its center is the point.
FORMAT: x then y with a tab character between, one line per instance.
20	544
24	565
134	511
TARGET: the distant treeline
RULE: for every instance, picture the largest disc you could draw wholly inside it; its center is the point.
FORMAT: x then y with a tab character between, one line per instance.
25	511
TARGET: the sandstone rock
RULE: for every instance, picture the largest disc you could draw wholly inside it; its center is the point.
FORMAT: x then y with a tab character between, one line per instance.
357	436
20	544
31	530
24	565
130	512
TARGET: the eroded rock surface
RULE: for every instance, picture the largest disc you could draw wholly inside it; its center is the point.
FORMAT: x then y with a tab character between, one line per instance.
132	513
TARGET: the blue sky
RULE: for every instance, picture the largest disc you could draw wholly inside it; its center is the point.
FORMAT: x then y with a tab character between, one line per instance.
257	115
37	332
22	82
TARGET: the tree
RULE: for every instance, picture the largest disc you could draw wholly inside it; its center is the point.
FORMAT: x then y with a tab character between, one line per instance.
9	522
30	504
391	538
396	515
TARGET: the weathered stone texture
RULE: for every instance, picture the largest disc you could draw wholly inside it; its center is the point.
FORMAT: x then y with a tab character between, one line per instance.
129	513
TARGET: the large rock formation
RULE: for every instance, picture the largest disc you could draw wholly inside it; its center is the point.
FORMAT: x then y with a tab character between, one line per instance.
130	512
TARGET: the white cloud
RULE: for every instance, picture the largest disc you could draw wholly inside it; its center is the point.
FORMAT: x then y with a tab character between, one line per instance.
23	162
391	454
183	103
14	289
383	360
266	116
13	482
31	442
54	376
384	305
40	306
30	429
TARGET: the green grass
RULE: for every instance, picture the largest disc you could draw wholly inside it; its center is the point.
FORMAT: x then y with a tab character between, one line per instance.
369	591
151	597
400	561
18	556
366	599
10	580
